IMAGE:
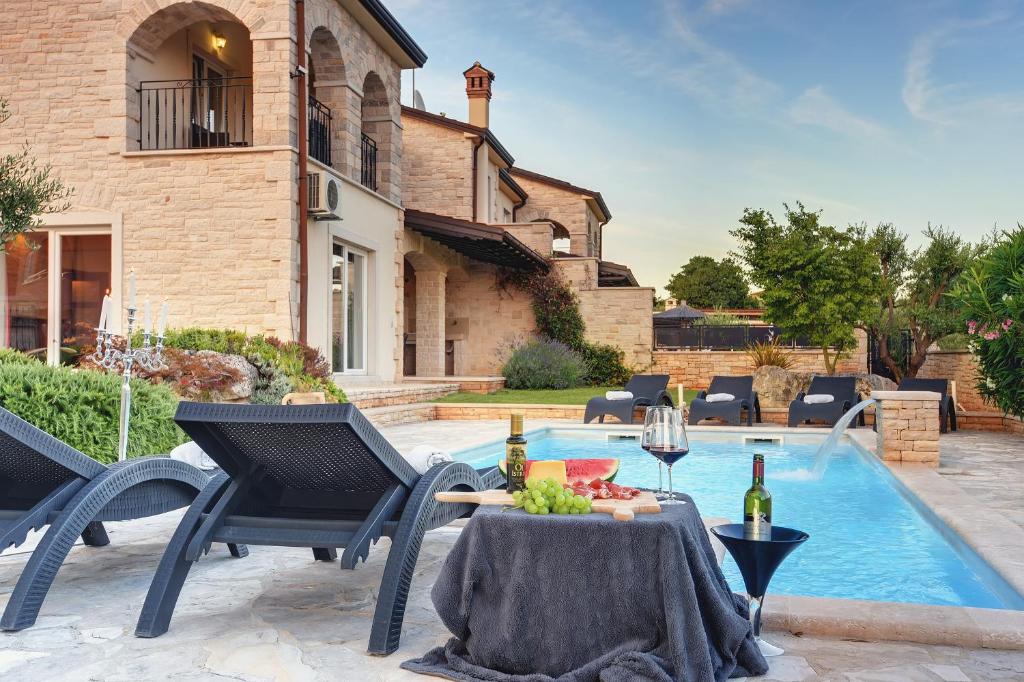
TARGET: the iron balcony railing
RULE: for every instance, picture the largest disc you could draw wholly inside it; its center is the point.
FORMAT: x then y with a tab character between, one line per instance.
319	131
195	114
718	337
368	176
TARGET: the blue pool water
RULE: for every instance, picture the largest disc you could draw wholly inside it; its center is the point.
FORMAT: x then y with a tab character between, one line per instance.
870	537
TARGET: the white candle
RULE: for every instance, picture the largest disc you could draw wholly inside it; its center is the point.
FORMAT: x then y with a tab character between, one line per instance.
147	319
131	289
163	319
104	312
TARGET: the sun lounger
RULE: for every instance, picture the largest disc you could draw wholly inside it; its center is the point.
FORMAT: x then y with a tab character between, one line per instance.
947	410
844	396
731	411
647	389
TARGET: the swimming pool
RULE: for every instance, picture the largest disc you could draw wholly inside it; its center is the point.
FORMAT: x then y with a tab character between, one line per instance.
871	538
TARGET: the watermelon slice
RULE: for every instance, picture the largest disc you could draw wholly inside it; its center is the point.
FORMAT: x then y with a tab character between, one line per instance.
580	469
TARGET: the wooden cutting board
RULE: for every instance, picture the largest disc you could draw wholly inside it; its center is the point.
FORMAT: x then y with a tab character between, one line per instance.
621	510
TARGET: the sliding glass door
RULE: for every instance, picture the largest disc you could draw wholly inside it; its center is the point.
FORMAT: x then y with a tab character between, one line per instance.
348	309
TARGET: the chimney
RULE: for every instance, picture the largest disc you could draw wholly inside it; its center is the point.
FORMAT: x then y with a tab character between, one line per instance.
478	90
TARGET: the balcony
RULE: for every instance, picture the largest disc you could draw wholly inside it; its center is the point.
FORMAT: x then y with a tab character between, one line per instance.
319	131
368	174
195	114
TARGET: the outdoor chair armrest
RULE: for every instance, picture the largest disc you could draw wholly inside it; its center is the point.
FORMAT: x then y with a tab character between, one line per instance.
702	395
664	396
800	396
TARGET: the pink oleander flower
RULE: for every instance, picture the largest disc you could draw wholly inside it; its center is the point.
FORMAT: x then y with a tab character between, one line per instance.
1007	324
972	327
991	336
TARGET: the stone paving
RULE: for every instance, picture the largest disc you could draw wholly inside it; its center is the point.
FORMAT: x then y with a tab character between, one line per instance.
277	615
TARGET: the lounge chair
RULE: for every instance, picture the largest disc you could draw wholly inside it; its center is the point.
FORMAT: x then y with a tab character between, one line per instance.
647	389
731	410
44	481
843	391
947	409
318	476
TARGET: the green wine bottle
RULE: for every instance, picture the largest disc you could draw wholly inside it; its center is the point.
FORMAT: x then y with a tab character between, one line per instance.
757	506
515	456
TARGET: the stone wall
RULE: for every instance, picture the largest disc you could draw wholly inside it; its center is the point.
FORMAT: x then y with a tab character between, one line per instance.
907	428
694	369
566	207
961	367
437	169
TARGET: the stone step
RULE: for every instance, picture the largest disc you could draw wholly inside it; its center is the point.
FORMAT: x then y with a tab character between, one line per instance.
388	395
399	414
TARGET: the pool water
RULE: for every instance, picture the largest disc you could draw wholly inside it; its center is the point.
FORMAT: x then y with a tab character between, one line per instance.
870	538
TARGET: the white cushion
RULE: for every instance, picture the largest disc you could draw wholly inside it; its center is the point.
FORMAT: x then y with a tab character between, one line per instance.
719	397
191	453
818	398
618	395
423	457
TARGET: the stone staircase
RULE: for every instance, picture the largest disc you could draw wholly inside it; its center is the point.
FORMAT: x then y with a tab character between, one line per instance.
389	404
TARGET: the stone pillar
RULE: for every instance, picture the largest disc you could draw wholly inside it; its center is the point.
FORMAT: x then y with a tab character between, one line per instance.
430	286
908	426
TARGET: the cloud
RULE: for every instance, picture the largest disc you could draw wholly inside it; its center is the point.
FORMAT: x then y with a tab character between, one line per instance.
947	104
815	107
723	6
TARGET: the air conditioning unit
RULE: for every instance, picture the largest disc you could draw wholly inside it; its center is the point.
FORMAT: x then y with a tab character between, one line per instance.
324	195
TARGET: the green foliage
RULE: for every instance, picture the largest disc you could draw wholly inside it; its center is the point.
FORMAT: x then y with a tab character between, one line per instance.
990	297
913	291
818	281
82	409
302	367
606	364
769	354
957	341
544	365
556	312
9	356
27	190
708	283
271	384
719	319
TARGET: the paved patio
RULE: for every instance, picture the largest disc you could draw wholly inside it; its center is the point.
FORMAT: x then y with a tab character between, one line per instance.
277	615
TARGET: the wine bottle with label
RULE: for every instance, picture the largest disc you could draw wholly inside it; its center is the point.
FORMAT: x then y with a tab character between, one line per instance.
515	456
757	506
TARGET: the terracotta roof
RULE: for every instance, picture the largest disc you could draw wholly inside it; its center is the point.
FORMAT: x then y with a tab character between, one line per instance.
562	184
395	31
614	275
485	243
454	124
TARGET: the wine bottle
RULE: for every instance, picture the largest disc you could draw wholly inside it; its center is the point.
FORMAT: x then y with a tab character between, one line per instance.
515	455
757	506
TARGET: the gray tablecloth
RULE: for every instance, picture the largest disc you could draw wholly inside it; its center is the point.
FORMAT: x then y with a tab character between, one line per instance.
579	598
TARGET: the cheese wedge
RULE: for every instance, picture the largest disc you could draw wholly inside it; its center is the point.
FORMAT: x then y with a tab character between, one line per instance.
548	468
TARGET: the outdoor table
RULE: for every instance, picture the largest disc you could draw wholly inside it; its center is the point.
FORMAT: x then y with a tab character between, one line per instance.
586	598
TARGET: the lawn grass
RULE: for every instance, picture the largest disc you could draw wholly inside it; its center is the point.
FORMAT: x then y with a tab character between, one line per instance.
568	396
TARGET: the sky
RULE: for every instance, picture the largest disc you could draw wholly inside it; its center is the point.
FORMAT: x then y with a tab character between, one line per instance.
684	112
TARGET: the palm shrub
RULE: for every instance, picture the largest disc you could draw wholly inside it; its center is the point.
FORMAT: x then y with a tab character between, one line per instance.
82	408
991	298
544	364
769	354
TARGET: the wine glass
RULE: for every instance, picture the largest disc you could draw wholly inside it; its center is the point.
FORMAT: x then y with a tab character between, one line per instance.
664	436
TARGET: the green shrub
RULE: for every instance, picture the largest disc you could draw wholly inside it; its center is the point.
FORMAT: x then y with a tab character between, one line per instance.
606	364
544	364
769	354
957	341
82	409
196	338
991	298
271	384
9	356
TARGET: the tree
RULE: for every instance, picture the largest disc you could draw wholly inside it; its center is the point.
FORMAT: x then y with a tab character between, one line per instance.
27	190
913	290
707	283
818	281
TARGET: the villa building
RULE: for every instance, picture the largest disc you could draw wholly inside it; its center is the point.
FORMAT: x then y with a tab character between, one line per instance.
257	186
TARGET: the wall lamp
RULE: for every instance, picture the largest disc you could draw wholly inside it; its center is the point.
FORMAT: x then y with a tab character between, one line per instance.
219	41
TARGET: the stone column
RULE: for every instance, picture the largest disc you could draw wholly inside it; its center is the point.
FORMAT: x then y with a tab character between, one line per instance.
908	426
430	286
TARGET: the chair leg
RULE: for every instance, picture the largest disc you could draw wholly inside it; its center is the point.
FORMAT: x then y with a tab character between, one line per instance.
394	590
95	535
238	551
325	554
174	567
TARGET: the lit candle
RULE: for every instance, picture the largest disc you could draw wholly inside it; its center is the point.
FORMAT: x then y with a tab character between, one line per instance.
147	320
164	309
104	312
131	289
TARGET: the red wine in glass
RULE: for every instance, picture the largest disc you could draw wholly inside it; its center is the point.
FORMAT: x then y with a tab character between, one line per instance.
668	455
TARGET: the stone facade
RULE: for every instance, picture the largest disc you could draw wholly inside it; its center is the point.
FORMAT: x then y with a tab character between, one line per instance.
568	208
961	367
907	428
212	230
437	165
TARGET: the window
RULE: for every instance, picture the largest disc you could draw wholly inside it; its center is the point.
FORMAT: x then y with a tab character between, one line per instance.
348	309
53	285
490	199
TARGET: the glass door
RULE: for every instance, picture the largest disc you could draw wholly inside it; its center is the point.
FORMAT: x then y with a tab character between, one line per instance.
348	309
53	285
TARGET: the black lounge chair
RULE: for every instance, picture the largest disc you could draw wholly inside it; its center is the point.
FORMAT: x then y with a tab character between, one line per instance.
647	389
318	476
731	411
44	481
947	409
844	393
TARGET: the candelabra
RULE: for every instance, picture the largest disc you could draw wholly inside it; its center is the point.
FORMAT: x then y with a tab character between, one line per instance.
149	357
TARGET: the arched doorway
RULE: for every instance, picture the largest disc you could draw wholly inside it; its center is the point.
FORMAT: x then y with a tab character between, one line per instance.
328	101
376	130
424	298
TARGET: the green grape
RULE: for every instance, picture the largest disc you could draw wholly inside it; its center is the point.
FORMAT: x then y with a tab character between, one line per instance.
561	509
517	498
579	502
531	508
542	511
531	484
538	496
574	510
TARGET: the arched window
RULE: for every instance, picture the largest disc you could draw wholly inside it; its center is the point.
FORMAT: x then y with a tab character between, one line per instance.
328	101
376	127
